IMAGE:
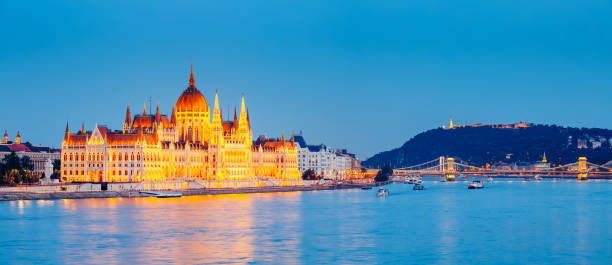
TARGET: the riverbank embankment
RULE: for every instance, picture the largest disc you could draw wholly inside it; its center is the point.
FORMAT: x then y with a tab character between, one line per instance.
14	196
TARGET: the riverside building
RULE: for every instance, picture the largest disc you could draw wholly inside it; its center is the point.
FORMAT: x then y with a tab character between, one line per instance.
325	161
187	146
39	155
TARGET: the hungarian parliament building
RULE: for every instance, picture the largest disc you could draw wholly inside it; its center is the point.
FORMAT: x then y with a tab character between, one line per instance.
188	146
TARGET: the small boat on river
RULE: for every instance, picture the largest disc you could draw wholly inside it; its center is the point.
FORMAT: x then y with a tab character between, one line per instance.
537	178
169	195
476	184
414	180
382	192
418	187
366	187
163	194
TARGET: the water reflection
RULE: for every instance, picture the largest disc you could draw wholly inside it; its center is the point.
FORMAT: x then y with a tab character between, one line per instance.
194	229
546	222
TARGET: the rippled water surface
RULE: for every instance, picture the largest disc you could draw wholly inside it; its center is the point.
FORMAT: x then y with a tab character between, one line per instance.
548	222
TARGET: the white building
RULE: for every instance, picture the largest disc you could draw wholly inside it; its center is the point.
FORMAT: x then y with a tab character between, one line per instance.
325	161
38	154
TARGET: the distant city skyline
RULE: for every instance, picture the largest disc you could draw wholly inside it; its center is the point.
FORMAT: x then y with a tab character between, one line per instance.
361	76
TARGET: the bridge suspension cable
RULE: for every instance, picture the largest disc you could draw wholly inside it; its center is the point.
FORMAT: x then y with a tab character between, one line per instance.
422	164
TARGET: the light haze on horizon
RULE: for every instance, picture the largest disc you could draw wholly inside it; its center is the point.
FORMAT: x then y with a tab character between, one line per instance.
361	75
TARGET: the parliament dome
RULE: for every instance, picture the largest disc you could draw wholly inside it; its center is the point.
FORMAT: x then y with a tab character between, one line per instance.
191	99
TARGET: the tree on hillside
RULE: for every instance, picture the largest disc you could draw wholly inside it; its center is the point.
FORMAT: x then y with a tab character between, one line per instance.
384	173
479	146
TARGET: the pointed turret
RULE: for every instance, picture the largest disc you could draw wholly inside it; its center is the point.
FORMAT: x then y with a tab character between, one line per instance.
128	115
173	117
144	109
191	79
67	133
18	138
244	123
292	137
216	112
83	128
283	139
217	125
157	115
235	123
450	125
6	138
544	158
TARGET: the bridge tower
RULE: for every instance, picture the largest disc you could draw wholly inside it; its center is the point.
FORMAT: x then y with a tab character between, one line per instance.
583	170
450	169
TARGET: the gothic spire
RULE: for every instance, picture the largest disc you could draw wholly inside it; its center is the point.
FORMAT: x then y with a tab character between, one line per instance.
216	100
235	123
83	128
173	117
243	115
283	139
144	109
157	115
67	133
191	79
128	115
217	118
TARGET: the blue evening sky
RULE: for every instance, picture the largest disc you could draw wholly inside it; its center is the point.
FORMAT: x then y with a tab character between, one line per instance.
362	75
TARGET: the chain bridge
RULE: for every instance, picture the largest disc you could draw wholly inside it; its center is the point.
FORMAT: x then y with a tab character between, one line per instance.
450	168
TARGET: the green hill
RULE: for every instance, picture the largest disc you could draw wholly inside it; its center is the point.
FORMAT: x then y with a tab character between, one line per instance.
481	145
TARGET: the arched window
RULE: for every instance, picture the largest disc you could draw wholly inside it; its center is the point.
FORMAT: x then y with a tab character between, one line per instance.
70	157
120	156
126	157
138	156
65	157
82	156
114	157
132	156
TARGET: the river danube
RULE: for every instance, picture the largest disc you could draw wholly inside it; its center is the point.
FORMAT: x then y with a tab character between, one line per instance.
507	222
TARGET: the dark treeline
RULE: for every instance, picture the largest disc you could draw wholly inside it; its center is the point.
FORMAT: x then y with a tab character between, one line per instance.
485	145
15	170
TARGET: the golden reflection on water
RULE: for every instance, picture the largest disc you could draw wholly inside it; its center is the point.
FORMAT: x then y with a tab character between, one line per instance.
191	229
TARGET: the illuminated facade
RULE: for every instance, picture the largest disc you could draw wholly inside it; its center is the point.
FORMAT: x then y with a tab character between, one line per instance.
187	146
